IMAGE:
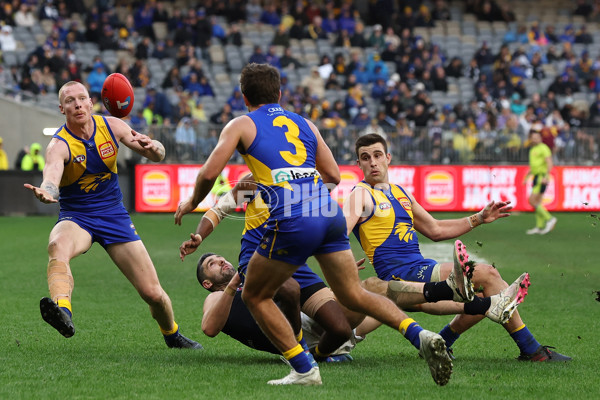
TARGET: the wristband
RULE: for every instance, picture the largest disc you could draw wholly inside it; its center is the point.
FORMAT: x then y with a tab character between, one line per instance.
229	291
199	235
475	220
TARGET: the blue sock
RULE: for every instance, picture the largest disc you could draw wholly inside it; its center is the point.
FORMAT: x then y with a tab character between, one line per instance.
300	362
525	340
412	334
449	335
65	309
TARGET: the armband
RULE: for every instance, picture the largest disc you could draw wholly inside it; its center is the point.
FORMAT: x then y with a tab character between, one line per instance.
475	220
229	291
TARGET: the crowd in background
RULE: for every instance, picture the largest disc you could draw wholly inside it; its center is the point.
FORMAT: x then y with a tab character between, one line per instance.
383	74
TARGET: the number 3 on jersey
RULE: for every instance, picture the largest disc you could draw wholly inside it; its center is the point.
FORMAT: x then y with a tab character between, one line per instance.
292	136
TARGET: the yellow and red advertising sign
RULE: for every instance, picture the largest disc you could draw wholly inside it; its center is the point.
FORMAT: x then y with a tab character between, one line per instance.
160	188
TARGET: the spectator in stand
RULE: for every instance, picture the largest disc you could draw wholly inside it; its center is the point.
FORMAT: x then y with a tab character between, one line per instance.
269	15
151	117
536	35
203	30
162	105
257	56
362	119
192	84
185	139
441	11
48	10
288	61
143	48
234	36
330	23
96	77
138	122
7	40
3	156
550	33
34	160
172	79
357	39
377	39
343	39
236	100
272	57
333	82
297	30
24	16
314	83
218	32
281	36
222	116
346	20
423	17
379	89
354	101
315	30
144	17
107	39
160	51
325	66
583	36
406	19
568	35
455	68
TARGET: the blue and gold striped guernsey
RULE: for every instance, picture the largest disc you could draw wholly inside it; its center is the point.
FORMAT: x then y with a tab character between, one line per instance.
89	182
291	168
387	235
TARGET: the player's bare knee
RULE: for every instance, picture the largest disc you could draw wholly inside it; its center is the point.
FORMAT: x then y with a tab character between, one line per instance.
485	273
154	296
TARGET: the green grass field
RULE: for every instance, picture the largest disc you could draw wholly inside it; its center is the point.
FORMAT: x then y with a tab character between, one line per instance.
118	351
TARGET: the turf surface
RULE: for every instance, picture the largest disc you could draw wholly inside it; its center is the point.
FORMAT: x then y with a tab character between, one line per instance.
118	352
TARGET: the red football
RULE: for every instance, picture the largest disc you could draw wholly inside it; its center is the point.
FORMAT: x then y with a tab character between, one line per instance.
117	95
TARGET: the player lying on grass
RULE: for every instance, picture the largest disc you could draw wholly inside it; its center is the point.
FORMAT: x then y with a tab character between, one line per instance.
228	313
385	219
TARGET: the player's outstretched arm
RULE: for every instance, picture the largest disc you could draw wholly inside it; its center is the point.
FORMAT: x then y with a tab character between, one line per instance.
56	154
142	144
228	141
213	217
437	230
217	307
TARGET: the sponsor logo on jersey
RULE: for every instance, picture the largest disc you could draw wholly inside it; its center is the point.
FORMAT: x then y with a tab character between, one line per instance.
385	206
106	150
405	203
274	110
79	159
289	174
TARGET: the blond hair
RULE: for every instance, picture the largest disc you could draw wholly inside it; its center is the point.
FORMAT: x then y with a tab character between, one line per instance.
66	85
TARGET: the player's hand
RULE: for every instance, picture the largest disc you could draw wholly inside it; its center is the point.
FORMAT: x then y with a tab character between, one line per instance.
494	210
359	264
41	194
185	207
143	140
235	282
189	246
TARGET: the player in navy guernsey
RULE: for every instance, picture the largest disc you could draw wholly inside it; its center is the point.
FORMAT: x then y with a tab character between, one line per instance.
81	174
303	221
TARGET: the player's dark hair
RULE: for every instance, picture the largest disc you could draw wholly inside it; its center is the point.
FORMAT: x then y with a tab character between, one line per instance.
260	83
200	274
368	140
